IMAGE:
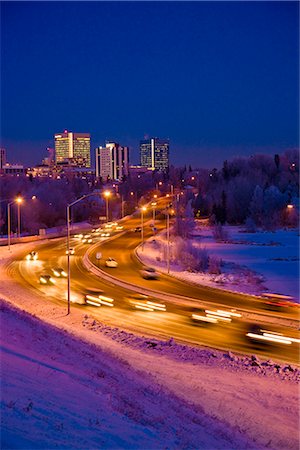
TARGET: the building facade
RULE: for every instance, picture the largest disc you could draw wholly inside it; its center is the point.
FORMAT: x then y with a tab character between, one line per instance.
73	148
112	161
154	153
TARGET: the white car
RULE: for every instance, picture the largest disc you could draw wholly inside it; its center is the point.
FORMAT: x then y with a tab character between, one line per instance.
105	234
72	251
111	262
47	279
149	273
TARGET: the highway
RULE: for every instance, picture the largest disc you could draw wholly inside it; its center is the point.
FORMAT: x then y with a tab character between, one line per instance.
175	321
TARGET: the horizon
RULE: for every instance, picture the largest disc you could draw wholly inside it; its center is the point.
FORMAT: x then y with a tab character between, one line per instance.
218	79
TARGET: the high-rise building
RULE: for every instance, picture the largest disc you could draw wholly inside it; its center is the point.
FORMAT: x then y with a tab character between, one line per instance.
112	161
73	148
154	153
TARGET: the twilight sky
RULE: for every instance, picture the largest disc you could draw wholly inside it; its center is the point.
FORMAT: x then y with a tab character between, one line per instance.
219	79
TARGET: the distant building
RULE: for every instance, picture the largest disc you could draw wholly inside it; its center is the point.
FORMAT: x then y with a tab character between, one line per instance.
73	148
2	157
112	161
154	153
14	169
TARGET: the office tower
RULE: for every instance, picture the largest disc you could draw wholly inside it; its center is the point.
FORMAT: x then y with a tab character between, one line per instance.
154	153
73	148
112	161
2	157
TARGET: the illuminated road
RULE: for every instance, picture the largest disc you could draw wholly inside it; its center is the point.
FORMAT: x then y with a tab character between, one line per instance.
175	322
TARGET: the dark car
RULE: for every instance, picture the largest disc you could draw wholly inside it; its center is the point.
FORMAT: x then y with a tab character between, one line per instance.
138	229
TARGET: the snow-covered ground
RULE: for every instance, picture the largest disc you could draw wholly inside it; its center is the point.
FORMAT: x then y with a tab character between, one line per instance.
252	263
71	382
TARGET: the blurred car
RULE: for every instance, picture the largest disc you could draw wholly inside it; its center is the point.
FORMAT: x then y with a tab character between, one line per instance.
47	279
32	256
105	234
59	272
149	273
215	315
111	262
138	229
71	251
145	303
276	302
95	297
119	227
259	336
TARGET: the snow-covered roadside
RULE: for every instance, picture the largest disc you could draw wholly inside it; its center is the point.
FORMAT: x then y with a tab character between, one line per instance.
253	263
112	389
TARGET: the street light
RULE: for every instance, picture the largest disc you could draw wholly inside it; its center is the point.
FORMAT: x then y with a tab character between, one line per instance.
153	204
107	195
168	236
18	200
68	244
143	209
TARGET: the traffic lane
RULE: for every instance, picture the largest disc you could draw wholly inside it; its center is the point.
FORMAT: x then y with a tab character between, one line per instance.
128	270
174	323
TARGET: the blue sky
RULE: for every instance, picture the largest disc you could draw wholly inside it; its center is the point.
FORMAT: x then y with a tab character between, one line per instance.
218	79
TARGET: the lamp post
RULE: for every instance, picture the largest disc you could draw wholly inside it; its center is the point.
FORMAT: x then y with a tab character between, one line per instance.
68	245
107	195
122	207
153	204
168	237
18	200
143	209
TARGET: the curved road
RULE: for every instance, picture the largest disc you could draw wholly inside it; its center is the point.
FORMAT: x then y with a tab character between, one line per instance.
175	322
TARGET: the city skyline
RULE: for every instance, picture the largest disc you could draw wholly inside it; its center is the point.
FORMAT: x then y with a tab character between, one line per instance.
217	79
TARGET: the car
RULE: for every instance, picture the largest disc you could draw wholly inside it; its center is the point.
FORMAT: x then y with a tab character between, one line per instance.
138	229
59	272
47	279
145	303
95	297
71	251
111	262
149	273
119	227
105	234
32	256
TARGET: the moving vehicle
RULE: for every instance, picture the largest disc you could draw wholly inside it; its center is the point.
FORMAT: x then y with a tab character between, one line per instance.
32	256
138	229
47	279
59	272
111	262
72	251
149	273
95	297
145	303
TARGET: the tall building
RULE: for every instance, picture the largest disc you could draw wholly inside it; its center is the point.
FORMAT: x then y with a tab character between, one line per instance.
154	153
112	161
73	148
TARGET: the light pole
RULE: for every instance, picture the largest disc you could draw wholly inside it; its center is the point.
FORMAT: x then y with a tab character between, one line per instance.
107	195
122	207
143	209
153	204
168	237
68	245
18	200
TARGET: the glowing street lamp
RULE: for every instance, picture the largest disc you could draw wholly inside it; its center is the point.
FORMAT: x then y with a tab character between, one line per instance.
143	209
290	206
107	194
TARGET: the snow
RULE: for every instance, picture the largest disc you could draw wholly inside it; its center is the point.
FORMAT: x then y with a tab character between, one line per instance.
73	382
253	263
